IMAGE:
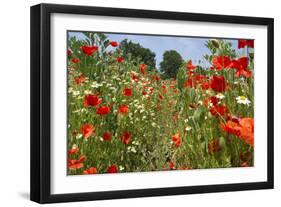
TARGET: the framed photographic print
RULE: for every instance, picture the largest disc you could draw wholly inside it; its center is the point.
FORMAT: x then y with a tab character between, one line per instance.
132	103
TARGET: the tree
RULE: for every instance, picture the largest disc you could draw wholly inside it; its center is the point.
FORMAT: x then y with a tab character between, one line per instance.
170	64
136	51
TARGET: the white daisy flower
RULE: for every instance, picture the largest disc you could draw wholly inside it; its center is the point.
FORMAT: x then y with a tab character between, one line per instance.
135	143
95	84
70	90
83	110
133	149
220	96
79	136
243	100
75	93
74	146
188	128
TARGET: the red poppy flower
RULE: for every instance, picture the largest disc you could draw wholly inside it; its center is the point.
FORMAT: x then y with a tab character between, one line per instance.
214	100
87	130
205	85
127	92
69	52
113	43
76	164
171	165
80	79
75	60
142	68
106	136
250	43
219	110
244	43
134	77
126	137
190	66
103	110
176	139
244	129
156	78
119	59
164	89
123	109
247	130
73	150
151	89
112	169
189	83
218	83
200	78
244	73
89	50
91	100
144	93
91	170
240	64
190	73
221	62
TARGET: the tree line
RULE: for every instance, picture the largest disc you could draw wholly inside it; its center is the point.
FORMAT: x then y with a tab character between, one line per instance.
169	66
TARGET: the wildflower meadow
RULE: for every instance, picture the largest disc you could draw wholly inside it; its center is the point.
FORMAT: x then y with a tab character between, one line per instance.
127	115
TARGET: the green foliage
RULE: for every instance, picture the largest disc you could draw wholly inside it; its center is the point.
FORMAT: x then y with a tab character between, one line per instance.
181	77
219	47
171	62
138	53
168	107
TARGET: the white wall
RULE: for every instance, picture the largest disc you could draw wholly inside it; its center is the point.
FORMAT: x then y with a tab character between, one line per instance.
14	101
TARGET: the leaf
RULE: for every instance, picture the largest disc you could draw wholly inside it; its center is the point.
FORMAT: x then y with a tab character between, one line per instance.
198	114
181	78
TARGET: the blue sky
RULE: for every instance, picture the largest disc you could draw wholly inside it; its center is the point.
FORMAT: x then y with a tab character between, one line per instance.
189	47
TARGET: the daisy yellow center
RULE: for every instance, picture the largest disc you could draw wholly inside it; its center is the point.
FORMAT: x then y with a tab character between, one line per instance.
243	98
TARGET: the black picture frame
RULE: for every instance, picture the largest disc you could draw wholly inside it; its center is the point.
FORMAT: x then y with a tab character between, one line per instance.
41	96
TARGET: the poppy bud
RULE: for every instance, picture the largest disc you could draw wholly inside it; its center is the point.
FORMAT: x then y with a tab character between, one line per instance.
215	43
